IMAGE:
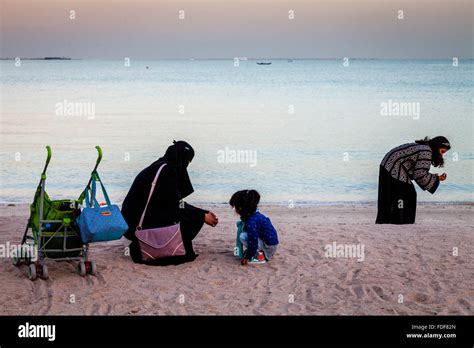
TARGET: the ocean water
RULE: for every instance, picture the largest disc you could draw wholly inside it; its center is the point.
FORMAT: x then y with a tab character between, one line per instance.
308	131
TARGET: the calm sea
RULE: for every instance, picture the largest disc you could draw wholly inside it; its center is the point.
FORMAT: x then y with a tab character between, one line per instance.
298	131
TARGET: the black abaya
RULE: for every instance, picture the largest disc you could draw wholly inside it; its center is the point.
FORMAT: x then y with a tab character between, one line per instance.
166	206
396	200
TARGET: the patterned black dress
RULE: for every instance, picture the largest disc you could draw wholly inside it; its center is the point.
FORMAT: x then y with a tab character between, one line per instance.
397	194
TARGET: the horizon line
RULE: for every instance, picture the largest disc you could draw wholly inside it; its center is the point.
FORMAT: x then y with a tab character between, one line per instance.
233	58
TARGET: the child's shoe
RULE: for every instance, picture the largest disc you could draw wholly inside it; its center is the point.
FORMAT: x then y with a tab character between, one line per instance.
259	258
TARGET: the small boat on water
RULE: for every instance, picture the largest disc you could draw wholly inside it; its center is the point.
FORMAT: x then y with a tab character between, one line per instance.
264	63
57	58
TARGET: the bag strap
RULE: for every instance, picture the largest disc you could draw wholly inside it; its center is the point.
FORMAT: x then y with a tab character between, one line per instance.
88	204
153	184
94	190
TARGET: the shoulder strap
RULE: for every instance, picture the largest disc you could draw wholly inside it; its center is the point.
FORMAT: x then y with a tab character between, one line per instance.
153	184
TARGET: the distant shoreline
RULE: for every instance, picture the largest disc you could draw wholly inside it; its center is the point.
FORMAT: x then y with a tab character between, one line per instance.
303	204
44	58
290	60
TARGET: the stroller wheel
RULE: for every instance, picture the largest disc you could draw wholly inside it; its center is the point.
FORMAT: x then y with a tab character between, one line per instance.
93	268
44	272
81	268
32	271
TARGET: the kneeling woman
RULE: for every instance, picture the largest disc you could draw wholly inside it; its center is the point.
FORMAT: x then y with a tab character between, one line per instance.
166	206
401	165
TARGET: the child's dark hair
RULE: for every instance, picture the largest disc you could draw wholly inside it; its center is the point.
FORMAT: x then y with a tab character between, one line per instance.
245	203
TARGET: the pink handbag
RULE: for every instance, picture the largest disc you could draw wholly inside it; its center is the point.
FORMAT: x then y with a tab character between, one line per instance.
156	243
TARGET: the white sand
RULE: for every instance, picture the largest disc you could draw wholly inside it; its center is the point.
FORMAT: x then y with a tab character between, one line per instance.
414	261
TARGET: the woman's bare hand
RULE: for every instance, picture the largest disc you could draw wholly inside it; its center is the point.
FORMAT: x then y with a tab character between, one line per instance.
211	219
442	177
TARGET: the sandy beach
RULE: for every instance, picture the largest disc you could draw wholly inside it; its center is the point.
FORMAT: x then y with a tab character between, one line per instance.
416	262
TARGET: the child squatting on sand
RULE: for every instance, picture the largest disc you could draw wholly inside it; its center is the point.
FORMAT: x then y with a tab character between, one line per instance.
255	231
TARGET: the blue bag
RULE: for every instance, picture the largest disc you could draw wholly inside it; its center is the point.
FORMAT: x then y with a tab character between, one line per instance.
98	224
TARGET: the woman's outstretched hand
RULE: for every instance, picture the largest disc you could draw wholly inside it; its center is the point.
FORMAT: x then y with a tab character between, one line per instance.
211	219
442	177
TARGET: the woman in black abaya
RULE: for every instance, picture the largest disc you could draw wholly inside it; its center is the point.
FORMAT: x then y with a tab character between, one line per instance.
166	206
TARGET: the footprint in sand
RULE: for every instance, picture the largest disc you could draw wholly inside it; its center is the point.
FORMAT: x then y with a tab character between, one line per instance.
359	291
435	286
380	292
465	306
42	297
108	310
421	298
50	296
95	309
99	309
309	295
99	278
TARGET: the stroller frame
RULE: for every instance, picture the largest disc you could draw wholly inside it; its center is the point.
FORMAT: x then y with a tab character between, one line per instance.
64	234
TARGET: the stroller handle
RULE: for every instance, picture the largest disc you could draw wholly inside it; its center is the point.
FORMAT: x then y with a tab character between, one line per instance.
48	149
92	177
99	158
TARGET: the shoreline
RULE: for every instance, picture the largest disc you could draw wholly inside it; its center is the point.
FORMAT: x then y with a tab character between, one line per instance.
305	204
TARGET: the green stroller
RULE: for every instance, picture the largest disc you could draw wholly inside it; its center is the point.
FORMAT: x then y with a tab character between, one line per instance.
54	232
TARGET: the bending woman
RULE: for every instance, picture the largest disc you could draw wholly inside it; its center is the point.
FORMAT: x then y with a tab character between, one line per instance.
401	165
166	206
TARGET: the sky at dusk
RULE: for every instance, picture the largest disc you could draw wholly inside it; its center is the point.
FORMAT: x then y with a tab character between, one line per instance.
113	29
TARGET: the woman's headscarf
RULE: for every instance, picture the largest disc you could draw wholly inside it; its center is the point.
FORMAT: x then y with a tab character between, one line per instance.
179	155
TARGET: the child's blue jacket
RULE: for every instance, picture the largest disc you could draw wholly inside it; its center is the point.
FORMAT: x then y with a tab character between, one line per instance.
258	226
